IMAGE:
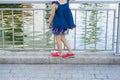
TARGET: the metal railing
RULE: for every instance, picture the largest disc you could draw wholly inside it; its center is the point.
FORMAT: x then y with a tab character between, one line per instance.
36	35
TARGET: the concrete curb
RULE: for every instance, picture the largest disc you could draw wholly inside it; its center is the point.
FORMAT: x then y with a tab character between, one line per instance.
45	58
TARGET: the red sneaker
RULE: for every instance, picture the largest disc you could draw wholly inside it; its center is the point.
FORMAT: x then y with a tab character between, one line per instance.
68	55
55	54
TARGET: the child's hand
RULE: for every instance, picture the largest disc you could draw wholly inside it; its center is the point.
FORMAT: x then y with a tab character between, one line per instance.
50	25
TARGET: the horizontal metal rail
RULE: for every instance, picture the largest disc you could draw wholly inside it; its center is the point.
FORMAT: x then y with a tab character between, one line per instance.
49	1
82	9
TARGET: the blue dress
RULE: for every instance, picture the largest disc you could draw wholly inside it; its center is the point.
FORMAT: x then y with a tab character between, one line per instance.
63	19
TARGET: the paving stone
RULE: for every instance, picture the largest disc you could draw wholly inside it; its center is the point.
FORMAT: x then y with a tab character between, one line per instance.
101	76
59	72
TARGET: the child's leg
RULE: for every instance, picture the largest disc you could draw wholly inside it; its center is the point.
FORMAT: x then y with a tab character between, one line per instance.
66	43
59	43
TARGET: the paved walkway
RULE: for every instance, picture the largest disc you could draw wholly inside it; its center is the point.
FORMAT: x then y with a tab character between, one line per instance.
59	72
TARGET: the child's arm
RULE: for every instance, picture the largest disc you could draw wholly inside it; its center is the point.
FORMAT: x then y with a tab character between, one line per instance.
54	7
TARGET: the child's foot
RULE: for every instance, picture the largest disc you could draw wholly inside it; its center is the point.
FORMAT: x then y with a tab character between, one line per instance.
56	54
68	55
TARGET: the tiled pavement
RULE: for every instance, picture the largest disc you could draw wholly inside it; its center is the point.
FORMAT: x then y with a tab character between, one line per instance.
59	72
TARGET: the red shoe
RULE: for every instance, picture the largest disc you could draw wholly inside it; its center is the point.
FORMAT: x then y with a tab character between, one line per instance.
55	54
68	55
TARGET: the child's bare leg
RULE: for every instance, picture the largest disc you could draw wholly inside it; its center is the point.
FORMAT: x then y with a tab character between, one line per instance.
59	44
66	43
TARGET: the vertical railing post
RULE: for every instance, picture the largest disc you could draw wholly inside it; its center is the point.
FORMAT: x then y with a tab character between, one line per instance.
75	29
13	30
114	24
3	34
118	31
86	13
23	29
106	34
33	29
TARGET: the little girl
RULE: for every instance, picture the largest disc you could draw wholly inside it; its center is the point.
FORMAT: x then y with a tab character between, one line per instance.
60	21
